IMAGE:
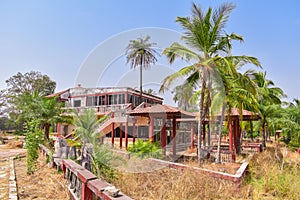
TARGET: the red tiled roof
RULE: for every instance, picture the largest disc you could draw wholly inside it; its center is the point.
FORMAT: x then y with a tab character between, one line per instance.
236	112
246	114
57	93
161	110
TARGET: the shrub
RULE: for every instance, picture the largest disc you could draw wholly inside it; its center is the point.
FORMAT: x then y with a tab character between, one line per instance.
33	138
146	149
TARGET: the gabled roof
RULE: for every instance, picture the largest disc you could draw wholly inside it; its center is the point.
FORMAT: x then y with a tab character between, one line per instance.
57	93
161	110
246	114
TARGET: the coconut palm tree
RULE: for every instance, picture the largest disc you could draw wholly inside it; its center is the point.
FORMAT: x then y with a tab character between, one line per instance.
240	91
182	96
268	95
141	53
205	45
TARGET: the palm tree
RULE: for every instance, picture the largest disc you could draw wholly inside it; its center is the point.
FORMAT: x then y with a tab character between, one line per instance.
86	125
268	95
240	90
182	95
140	53
101	157
205	43
50	109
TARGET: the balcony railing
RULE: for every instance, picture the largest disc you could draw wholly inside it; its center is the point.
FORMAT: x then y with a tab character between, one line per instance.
119	108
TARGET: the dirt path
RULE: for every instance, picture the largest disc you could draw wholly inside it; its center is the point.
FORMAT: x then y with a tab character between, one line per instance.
45	183
5	154
4	176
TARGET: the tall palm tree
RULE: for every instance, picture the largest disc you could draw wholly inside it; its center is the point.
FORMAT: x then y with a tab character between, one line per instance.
240	90
182	95
206	44
141	53
268	95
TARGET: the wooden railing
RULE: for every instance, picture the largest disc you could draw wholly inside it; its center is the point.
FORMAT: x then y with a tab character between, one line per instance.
252	148
226	155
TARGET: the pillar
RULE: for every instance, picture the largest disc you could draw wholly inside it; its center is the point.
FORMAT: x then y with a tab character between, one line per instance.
58	129
113	134
208	134
133	133
126	135
192	135
204	132
173	137
151	128
163	136
121	136
231	130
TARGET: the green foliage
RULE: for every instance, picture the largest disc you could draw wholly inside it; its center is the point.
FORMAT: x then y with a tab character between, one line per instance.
253	134
146	149
73	143
102	158
33	139
86	125
30	82
21	87
269	176
49	157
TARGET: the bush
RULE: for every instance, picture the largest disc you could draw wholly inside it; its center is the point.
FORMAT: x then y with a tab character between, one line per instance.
33	138
102	158
146	149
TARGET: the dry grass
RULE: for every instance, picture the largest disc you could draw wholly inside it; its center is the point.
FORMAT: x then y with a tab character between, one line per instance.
173	184
45	183
273	174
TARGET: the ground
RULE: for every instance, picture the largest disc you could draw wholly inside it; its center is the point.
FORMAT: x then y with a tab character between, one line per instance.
273	175
45	183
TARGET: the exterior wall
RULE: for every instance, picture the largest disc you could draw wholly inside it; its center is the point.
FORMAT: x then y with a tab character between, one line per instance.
78	96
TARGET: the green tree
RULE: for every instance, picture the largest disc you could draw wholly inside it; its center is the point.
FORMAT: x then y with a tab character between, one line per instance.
182	96
32	81
141	53
268	96
87	126
39	108
21	86
289	122
206	44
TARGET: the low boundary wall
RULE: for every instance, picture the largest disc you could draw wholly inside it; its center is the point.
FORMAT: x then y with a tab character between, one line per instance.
84	185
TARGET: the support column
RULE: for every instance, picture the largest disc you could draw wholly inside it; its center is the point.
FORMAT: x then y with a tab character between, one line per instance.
126	135
113	134
133	133
208	134
163	136
231	140
192	135
58	129
173	138
235	135
238	136
204	134
121	136
151	128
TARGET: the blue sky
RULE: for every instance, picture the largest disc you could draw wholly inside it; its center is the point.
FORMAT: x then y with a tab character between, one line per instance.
56	37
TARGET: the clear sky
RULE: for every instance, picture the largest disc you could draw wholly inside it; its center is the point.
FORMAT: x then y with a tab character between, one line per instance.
56	37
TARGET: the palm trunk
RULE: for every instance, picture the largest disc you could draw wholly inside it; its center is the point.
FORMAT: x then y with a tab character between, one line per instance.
141	80
201	119
251	129
47	129
263	133
218	159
